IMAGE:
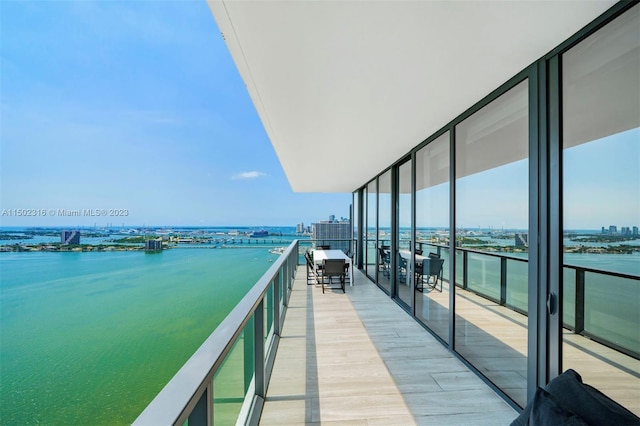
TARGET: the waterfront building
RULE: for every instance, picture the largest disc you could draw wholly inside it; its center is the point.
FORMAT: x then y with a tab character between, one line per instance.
635	231
613	229
153	244
336	234
454	111
522	240
70	237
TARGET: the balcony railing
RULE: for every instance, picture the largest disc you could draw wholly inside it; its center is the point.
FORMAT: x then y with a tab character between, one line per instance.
598	304
224	382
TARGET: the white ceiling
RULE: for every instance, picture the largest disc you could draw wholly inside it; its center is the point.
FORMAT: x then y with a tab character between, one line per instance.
345	88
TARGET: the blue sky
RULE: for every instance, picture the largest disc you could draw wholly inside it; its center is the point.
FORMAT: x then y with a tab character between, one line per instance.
135	105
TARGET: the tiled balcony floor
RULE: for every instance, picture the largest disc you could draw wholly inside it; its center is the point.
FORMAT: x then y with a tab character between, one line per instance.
494	339
341	360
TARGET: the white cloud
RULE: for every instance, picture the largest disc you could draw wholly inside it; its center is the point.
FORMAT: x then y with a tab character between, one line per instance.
248	175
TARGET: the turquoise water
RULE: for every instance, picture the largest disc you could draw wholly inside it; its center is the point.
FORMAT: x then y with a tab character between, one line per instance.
91	338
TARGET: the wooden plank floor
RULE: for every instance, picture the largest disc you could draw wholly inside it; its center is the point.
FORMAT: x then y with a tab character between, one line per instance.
358	358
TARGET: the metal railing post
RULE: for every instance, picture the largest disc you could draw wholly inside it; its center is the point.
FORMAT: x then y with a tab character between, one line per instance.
258	349
503	280
199	414
465	270
579	325
277	321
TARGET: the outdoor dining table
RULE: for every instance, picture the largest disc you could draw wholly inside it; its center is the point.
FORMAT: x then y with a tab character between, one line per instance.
320	255
406	255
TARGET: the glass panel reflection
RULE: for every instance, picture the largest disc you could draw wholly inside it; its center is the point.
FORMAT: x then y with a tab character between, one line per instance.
370	236
384	230
432	235
233	379
405	275
601	209
492	186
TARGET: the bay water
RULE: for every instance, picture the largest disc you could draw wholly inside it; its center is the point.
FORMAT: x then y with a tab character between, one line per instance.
92	337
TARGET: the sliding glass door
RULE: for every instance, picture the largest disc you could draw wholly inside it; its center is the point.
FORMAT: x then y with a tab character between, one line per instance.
432	235
404	249
601	209
492	216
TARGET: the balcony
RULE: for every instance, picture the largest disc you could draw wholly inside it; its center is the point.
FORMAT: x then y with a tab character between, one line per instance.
341	359
359	357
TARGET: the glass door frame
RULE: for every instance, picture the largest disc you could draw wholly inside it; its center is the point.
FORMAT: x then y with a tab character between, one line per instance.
395	233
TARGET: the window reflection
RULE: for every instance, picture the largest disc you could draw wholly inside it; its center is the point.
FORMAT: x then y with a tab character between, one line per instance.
384	229
432	235
492	186
405	274
601	207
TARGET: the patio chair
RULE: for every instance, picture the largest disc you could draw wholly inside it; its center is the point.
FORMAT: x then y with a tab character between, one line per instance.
433	275
347	276
385	262
314	274
333	268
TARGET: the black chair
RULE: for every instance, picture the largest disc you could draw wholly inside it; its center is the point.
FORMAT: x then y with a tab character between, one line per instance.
323	248
402	269
433	274
333	268
385	261
314	274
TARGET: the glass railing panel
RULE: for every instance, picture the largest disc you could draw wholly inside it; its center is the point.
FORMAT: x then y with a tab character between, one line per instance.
444	254
281	290
459	267
268	315
483	274
371	260
233	379
569	297
517	284
611	309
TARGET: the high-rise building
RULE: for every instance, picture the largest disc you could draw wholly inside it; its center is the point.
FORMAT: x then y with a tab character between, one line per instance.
332	233
635	231
300	228
613	229
70	237
332	218
153	245
522	240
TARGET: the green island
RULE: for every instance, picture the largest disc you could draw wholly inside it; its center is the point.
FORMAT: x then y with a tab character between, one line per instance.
139	239
4	236
603	238
59	247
